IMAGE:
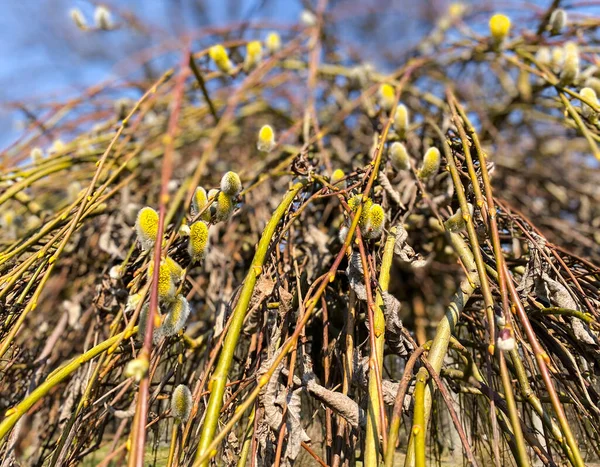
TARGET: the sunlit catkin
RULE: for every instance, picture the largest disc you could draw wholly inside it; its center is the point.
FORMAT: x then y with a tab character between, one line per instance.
499	27
146	227
175	269
431	164
224	208
231	184
253	54
198	241
176	317
387	96
587	111
399	157
166	285
199	203
570	67
401	120
218	54
266	139
354	203
181	403
273	42
376	221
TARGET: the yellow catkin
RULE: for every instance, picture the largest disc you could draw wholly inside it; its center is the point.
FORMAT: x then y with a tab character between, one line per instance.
198	241
499	27
387	96
431	164
353	204
253	53
376	221
336	176
588	112
266	139
218	54
166	285
570	67
174	268
146	227
199	203
273	42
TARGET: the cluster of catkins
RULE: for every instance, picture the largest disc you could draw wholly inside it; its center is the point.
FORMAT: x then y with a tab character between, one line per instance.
254	53
215	206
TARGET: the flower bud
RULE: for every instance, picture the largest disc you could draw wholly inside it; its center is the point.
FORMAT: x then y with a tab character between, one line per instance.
198	241
116	272
387	96
558	59
273	42
543	56
399	157
499	27
218	54
558	21
146	227
431	164
401	120
181	403
266	139
570	68
307	18
231	184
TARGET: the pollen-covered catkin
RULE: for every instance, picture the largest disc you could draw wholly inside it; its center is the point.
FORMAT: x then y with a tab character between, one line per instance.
224	208
587	111
176	317
143	324
198	241
376	221
570	67
266	139
399	157
181	403
431	163
218	54
354	203
273	42
146	227
336	176
166	285
174	268
401	120
231	184
499	27
387	96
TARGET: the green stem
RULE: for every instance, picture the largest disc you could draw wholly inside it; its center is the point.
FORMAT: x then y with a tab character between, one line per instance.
372	451
219	378
56	377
